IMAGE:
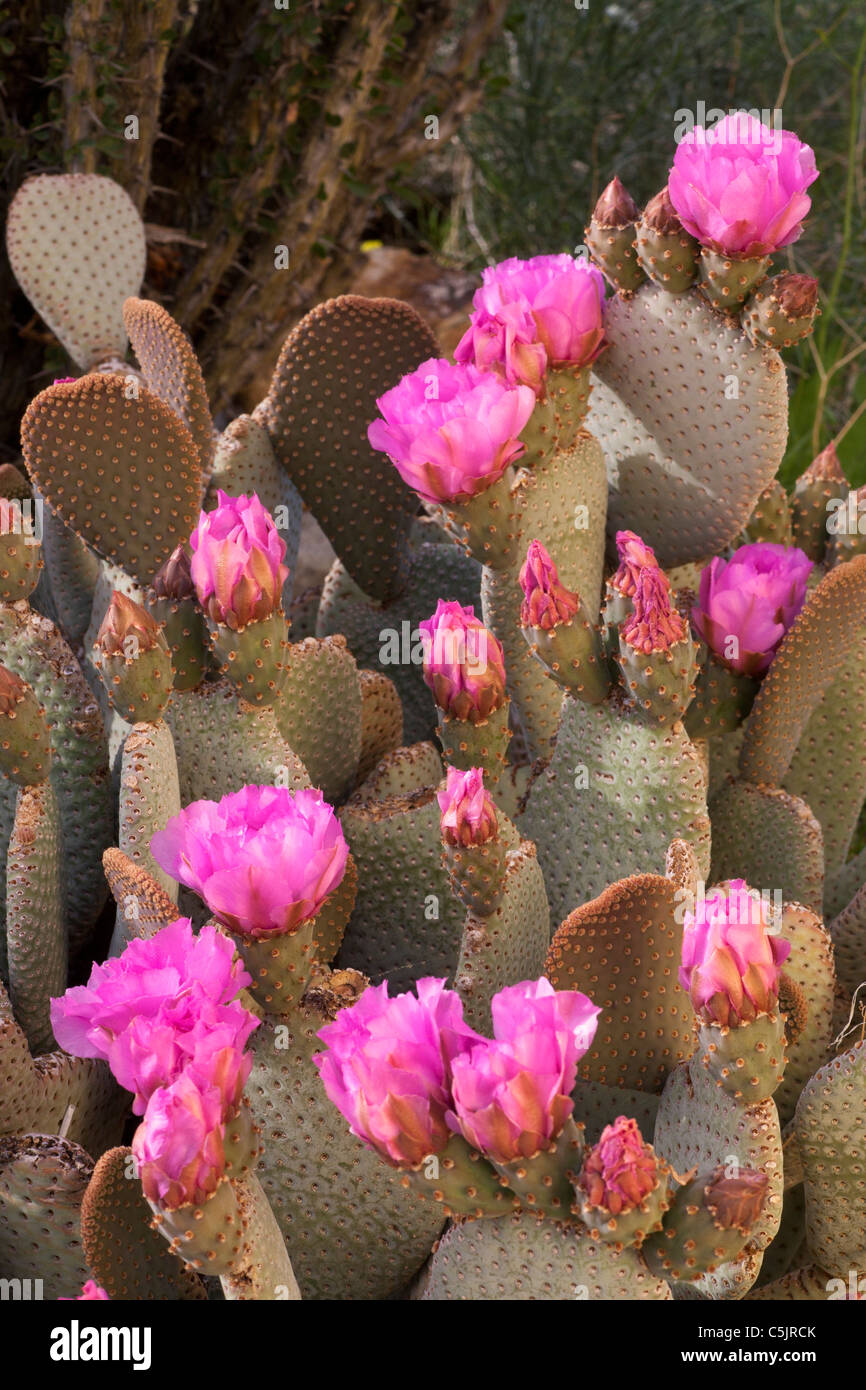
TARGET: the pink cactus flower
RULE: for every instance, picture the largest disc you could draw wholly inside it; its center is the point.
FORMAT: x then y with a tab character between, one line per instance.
172	973
746	604
264	859
546	602
653	625
91	1290
634	556
464	664
178	1147
236	564
451	431
731	962
388	1068
512	1095
535	314
620	1171
468	812
193	1035
740	188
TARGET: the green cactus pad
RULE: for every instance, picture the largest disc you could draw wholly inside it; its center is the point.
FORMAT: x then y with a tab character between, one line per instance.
42	1094
848	934
319	714
171	370
381	721
811	505
700	1125
831	1131
124	1254
42	1182
263	1271
223	744
403	771
785	1251
771	519
664	405
35	929
527	1257
623	950
538	700
73	570
149	798
508	946
407	922
351	1228
76	245
614	795
810	966
333	365
386	639
330	922
245	463
769	838
817	676
33	648
596	1106
130	481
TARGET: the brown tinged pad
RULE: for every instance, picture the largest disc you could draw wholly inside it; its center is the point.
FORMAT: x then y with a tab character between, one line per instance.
117	465
333	366
125	1255
171	370
623	951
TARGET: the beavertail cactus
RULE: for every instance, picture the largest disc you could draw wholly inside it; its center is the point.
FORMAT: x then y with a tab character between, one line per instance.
477	923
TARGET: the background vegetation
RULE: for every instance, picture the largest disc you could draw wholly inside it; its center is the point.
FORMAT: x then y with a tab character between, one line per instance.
306	126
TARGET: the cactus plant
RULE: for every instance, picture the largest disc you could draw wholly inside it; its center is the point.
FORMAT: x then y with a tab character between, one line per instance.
481	944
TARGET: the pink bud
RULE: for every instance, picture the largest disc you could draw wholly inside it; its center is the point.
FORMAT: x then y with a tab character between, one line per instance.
468	811
653	624
740	188
546	602
731	962
620	1171
451	431
464	664
236	563
634	556
91	1290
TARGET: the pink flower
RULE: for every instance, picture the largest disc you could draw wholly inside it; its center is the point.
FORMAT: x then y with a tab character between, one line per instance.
173	971
535	314
179	1145
464	664
731	962
451	431
237	564
468	812
740	188
512	1095
746	604
653	625
388	1068
193	1035
91	1289
634	556
546	602
620	1171
264	859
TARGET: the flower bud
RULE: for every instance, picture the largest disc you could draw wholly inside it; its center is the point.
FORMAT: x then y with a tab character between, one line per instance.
25	741
610	237
664	248
731	963
172	600
468	812
464	664
546	601
237	562
133	658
